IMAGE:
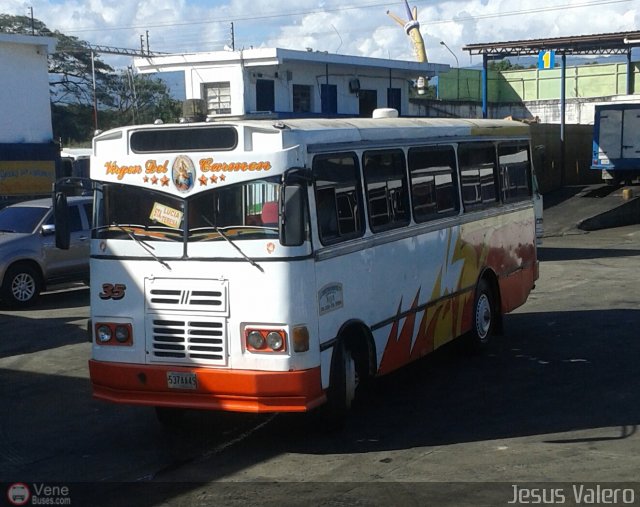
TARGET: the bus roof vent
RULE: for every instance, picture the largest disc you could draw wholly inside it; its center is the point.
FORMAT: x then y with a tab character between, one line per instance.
385	112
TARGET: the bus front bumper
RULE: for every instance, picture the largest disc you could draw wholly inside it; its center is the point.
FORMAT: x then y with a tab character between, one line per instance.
215	389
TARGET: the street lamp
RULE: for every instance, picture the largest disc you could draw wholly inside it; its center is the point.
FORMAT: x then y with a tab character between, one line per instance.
457	68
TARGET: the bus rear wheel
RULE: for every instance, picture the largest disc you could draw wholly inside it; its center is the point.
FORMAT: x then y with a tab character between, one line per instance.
484	318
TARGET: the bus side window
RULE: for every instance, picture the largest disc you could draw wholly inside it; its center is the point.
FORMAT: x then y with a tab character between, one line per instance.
478	172
338	197
515	171
385	178
434	185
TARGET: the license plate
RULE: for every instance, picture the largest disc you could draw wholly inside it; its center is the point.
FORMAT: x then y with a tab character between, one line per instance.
181	380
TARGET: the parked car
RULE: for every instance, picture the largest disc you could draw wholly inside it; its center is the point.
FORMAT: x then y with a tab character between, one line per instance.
29	259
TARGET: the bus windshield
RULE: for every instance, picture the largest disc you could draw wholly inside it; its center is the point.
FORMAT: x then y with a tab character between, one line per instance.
246	210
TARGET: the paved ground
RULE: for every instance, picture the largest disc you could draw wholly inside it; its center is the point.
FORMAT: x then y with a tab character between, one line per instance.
556	399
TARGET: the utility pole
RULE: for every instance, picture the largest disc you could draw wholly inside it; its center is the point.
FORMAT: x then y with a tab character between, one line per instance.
148	51
33	30
233	38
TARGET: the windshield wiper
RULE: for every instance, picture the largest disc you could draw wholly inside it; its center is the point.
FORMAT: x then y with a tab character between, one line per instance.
246	257
251	261
144	245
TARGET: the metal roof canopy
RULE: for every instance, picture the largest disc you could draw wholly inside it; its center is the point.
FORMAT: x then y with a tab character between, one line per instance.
602	44
599	44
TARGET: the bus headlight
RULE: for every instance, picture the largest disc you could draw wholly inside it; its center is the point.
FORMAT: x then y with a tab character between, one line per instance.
275	341
103	334
122	334
255	340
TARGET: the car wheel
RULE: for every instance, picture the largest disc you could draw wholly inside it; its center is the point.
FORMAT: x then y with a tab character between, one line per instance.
21	285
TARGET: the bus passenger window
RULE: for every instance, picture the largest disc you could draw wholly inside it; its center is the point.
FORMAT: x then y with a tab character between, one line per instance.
387	193
338	201
434	186
478	174
515	171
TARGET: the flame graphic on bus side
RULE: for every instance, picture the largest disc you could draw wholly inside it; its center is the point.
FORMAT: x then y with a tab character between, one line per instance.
468	249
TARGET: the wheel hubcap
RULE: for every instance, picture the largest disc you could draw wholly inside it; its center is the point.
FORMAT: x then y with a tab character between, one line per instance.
351	378
483	316
23	287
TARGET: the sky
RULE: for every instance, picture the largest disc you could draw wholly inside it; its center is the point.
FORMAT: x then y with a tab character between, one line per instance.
352	27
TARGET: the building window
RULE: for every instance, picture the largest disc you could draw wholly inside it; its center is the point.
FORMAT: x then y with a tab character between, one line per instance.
478	174
385	179
218	97
329	98
302	98
265	95
434	188
338	197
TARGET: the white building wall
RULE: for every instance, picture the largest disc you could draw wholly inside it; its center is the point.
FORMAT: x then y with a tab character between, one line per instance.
195	78
24	85
243	85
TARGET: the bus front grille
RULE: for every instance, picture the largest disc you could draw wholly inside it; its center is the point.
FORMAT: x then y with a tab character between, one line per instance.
186	294
174	339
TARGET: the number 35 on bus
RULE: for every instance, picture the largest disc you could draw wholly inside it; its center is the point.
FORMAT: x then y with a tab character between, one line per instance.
275	266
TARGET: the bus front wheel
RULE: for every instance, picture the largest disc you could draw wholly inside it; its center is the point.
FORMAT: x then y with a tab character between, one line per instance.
342	388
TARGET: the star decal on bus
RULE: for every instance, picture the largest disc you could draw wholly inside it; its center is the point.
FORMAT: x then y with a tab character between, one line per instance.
214	178
165	181
203	180
154	180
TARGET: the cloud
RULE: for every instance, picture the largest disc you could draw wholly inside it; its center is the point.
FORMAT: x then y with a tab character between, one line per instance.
359	27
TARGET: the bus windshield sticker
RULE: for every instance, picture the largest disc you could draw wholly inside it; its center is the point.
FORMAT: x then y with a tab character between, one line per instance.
330	298
166	215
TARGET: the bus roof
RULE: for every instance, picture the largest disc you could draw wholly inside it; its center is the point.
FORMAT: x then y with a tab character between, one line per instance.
316	131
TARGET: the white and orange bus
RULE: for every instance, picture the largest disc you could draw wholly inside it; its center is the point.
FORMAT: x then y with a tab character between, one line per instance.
275	265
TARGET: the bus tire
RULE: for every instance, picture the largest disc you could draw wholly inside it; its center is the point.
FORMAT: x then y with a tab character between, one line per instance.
22	285
343	383
484	318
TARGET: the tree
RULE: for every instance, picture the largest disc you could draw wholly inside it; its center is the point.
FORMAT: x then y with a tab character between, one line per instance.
142	98
503	65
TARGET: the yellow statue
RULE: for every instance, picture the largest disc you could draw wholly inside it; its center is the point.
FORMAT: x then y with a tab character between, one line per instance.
412	27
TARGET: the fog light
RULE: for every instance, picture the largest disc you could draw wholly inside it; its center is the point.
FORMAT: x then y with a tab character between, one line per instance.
255	340
122	334
275	341
103	334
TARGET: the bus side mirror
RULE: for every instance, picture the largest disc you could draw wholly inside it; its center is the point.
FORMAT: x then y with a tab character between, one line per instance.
292	223
61	217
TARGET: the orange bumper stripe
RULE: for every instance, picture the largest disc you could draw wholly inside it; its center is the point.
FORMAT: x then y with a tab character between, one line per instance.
233	390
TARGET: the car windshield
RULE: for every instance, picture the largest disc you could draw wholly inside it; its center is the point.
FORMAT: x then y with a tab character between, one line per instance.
22	219
243	211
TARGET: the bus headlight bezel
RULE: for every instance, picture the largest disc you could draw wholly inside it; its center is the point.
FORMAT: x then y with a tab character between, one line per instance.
267	340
